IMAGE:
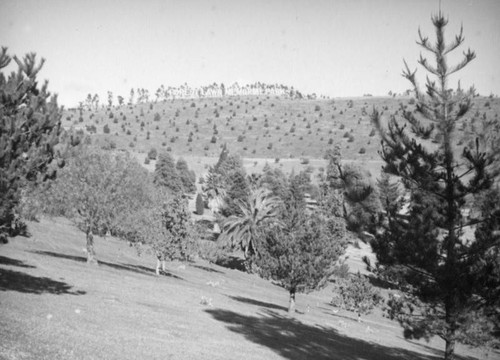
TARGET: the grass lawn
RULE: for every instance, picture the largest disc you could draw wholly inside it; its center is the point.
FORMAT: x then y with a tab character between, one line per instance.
54	306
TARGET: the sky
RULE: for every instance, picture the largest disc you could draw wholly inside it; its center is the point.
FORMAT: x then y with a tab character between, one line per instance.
337	48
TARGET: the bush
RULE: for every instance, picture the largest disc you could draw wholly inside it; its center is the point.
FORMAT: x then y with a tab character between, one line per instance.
105	129
214	139
362	150
355	293
152	154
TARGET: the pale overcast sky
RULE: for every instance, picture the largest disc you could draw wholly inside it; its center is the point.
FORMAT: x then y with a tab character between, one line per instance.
332	47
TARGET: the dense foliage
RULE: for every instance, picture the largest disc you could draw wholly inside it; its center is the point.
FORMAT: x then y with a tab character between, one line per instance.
300	251
30	125
428	249
99	191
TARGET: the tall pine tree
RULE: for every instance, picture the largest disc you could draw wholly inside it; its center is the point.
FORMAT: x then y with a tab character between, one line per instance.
166	174
30	125
428	252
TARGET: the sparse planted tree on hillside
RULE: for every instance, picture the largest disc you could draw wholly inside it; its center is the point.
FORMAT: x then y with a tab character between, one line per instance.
30	125
110	99
427	252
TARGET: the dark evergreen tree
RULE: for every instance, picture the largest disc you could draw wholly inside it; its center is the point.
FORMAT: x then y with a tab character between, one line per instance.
301	250
166	174
274	180
30	125
352	187
427	252
238	191
185	176
227	174
200	206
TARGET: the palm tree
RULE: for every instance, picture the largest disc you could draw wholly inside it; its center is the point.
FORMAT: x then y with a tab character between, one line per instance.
259	210
214	190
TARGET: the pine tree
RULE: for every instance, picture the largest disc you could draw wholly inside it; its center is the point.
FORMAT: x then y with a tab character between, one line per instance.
200	207
426	252
300	250
185	176
30	125
238	190
352	187
166	174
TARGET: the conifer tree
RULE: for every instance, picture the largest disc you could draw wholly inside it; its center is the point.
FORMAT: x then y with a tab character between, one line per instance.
166	174
238	190
30	125
200	207
186	176
300	250
426	252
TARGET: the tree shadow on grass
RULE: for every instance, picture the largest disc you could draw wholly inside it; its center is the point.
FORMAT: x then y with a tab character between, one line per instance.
206	268
139	269
13	262
294	340
232	262
257	303
17	281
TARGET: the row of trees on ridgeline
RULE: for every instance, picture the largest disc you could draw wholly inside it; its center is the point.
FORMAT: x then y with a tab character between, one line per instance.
434	216
141	95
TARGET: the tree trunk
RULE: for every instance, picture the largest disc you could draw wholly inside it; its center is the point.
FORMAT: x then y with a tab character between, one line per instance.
291	306
449	353
158	263
91	260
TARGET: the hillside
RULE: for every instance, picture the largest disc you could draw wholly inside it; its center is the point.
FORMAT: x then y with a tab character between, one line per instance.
270	127
53	306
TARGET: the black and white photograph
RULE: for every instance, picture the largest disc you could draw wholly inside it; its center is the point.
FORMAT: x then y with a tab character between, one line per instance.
250	179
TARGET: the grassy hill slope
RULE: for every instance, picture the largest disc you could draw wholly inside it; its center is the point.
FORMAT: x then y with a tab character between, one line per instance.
255	126
53	306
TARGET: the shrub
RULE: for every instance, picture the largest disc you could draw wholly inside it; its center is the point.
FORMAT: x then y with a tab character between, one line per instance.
362	150
152	154
355	293
105	129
